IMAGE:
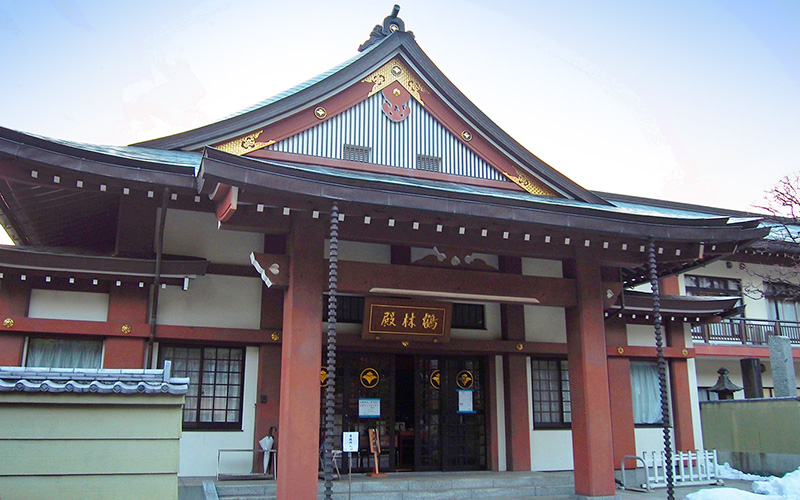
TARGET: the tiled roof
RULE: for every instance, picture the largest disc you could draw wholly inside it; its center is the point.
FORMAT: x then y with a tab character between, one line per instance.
190	160
91	381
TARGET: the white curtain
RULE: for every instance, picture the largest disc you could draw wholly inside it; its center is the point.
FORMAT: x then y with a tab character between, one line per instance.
645	392
62	353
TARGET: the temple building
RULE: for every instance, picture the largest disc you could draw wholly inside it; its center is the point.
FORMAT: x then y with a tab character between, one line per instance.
491	314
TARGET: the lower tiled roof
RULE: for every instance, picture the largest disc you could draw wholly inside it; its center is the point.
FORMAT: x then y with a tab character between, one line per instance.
92	381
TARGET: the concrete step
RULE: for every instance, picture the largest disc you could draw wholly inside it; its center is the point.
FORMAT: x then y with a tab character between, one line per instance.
425	486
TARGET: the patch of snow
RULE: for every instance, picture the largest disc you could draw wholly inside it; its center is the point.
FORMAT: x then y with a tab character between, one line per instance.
729	494
787	486
725	471
772	488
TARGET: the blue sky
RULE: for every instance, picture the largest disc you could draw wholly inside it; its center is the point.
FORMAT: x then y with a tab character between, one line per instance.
695	101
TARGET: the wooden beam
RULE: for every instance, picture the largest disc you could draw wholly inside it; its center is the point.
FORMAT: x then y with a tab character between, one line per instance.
142	330
637	351
364	278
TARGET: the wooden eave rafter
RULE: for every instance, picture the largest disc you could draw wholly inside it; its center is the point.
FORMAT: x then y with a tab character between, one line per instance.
268	180
16	261
60	195
637	308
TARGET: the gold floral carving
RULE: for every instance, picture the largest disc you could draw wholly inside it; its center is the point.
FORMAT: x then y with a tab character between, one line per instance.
126	329
244	145
395	71
275	336
525	182
8	323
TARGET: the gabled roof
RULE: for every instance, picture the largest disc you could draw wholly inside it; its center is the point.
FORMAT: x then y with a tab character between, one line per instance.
399	44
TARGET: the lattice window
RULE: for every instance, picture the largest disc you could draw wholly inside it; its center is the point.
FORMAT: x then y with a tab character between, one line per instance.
552	407
429	163
356	153
349	309
469	316
216	384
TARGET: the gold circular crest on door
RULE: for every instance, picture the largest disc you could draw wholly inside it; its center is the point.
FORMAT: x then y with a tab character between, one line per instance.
323	377
436	379
464	380
370	378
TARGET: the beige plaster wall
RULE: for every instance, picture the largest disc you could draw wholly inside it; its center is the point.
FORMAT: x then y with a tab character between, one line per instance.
89	446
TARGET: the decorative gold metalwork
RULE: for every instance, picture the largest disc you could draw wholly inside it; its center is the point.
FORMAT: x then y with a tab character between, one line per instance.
435	379
126	329
8	323
685	352
395	71
370	378
525	182
620	350
244	144
323	377
320	112
396	92
404	343
519	347
464	379
275	336
466	135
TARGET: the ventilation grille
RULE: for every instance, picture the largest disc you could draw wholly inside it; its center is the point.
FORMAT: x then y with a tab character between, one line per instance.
429	163
355	153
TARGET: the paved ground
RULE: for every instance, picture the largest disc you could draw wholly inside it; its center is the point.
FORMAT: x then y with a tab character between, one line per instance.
189	488
680	493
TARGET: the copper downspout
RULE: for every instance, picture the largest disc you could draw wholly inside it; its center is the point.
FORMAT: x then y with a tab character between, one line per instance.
148	352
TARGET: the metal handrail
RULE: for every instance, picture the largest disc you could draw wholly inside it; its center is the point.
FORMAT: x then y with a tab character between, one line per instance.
624	479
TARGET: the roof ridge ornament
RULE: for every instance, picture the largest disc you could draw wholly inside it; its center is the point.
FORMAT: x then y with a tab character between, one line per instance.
391	23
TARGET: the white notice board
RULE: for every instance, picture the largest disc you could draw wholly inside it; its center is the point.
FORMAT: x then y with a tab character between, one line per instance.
349	442
369	408
465	401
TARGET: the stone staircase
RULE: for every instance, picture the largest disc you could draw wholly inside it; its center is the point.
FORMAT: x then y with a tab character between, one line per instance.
418	486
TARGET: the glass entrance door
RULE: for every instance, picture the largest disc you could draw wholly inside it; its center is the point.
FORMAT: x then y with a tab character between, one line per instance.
430	411
450	414
365	400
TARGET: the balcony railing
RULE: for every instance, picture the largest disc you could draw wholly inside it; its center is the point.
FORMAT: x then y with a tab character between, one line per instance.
746	331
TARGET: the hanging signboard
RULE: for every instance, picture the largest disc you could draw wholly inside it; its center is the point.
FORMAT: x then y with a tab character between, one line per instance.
407	320
465	401
369	408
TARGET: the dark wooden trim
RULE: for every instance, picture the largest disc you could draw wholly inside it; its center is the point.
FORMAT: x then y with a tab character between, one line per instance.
142	330
635	351
455	346
382	169
360	278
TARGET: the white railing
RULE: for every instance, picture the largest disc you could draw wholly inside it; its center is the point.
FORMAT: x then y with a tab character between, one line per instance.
688	468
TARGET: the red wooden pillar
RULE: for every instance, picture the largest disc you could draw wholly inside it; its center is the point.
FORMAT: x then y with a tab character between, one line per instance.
518	430
301	355
588	371
515	381
126	303
681	390
619	370
14	300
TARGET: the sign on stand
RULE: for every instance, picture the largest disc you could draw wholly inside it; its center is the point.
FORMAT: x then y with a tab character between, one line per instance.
349	442
349	446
